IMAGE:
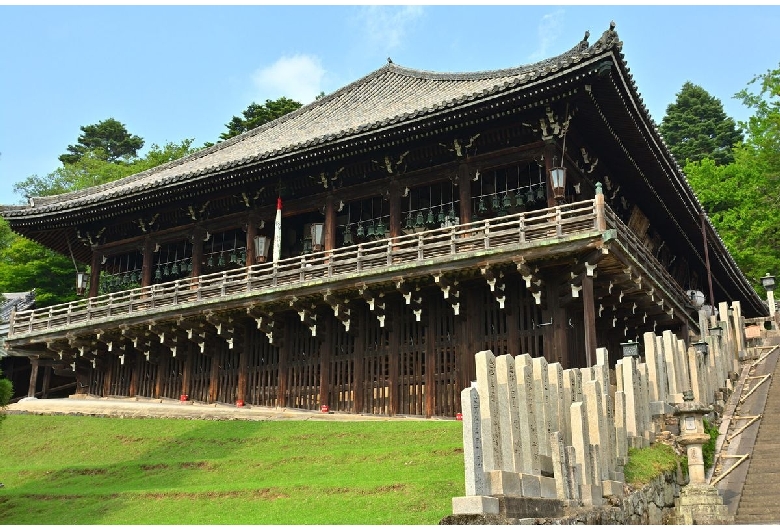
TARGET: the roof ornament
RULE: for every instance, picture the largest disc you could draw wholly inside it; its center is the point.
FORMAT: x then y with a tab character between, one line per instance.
608	39
584	42
389	60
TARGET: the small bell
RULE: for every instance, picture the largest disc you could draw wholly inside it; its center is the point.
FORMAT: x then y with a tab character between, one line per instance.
158	274
482	207
221	260
380	230
540	193
360	230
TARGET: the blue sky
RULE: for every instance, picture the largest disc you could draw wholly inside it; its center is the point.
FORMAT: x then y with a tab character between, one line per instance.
176	72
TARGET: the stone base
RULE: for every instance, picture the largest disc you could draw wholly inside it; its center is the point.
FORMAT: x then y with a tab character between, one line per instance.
524	507
660	408
591	495
503	483
612	488
532	486
701	504
548	489
475	504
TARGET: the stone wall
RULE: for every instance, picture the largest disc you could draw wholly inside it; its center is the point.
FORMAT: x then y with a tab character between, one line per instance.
653	504
558	439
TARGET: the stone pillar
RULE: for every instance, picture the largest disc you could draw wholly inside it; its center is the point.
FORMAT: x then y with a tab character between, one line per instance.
487	387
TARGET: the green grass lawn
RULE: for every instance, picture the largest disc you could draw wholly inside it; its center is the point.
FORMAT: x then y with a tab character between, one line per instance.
85	470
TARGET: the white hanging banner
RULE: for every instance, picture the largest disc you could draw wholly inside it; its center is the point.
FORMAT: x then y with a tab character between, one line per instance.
278	230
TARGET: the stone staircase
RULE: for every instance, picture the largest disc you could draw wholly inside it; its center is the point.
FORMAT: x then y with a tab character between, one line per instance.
759	502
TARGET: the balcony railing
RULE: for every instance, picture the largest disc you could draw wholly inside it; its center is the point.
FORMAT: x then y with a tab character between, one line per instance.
430	247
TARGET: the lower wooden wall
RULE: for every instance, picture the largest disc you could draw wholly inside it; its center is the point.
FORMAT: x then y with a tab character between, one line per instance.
407	367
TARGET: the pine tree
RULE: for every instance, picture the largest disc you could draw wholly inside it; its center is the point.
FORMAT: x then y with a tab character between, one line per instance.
696	127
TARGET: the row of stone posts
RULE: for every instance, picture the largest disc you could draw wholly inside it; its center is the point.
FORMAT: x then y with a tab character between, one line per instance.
532	430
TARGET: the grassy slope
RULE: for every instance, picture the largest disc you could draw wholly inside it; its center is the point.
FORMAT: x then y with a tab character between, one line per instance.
84	470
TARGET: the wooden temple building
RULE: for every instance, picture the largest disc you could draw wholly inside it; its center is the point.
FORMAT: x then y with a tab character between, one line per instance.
420	224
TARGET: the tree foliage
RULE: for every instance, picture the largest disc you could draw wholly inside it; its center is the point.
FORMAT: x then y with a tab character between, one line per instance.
696	127
256	115
6	392
742	197
26	265
92	169
109	138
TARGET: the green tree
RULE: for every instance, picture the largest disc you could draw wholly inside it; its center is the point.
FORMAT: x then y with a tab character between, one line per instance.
741	197
695	127
6	392
24	264
256	115
92	169
109	138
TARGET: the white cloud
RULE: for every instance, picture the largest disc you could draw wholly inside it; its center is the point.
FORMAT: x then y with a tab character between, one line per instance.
549	30
385	27
297	77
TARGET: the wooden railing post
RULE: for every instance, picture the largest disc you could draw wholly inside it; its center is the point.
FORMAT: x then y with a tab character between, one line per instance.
598	206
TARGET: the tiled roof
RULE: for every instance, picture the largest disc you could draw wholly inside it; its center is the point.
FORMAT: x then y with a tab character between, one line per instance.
15	301
386	97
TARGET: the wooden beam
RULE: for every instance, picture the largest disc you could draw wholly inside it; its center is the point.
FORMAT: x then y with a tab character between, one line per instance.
464	192
325	353
329	236
147	254
359	354
394	359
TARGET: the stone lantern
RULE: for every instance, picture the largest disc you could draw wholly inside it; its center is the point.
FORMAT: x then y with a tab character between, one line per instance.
699	502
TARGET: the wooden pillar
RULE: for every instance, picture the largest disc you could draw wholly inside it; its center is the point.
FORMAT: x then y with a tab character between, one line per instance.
556	334
325	341
464	192
108	375
162	373
589	312
197	252
329	236
359	354
94	273
135	374
394	198
284	354
33	377
251	233
214	374
243	367
430	363
186	375
512	317
393	357
550	151
148	262
46	381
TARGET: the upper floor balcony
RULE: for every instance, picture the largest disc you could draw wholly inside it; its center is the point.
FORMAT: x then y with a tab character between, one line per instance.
520	239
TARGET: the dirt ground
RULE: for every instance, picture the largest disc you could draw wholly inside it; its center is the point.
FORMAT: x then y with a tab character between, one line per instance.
168	408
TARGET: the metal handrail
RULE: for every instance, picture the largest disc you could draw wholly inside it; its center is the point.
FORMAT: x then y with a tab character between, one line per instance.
440	244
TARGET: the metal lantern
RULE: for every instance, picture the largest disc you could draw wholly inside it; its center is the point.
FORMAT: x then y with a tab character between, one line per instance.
630	349
495	203
221	260
482	207
307	246
506	202
189	265
175	268
261	248
158	273
540	193
701	347
210	261
558	182
360	230
440	218
430	220
419	222
81	283
519	199
348	237
380	230
233	257
529	196
716	331
370	232
409	225
768	282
